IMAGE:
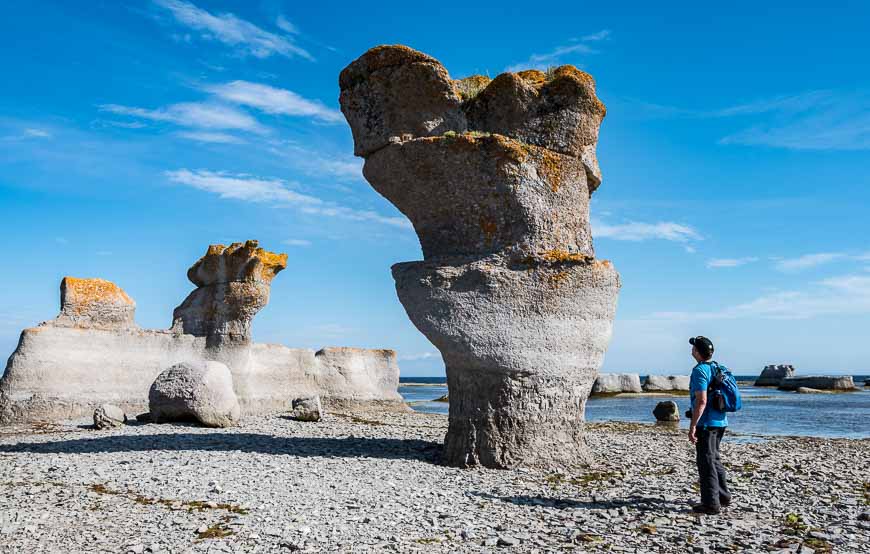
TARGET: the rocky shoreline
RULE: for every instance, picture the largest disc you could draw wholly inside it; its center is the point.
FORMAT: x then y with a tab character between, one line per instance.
373	482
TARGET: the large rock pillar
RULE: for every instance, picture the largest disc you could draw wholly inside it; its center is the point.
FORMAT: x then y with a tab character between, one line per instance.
496	178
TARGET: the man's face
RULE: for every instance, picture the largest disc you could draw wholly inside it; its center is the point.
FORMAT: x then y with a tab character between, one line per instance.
698	357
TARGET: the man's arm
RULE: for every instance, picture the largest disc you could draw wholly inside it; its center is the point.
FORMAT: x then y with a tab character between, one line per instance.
697	410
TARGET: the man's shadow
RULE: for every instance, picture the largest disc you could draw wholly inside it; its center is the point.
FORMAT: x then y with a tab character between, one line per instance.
640	503
350	447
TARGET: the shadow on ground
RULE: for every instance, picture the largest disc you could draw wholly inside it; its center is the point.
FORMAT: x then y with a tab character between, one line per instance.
642	503
351	447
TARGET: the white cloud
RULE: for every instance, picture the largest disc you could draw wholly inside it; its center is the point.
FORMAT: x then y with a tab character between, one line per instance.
192	114
297	242
37	133
285	25
275	100
419	357
552	58
257	189
205	136
343	167
246	37
637	231
844	295
730	262
808	261
241	187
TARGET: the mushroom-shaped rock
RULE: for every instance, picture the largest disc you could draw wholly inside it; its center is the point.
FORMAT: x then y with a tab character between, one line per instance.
667	411
233	284
94	304
508	290
201	391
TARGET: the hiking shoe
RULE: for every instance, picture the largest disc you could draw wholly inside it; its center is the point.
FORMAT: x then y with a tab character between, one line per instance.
724	501
704	509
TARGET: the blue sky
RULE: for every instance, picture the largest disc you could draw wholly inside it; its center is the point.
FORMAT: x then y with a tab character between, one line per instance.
735	155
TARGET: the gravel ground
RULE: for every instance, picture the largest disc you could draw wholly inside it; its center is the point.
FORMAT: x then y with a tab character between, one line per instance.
364	483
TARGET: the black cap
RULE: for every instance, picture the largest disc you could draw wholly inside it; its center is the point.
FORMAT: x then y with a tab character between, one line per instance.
703	344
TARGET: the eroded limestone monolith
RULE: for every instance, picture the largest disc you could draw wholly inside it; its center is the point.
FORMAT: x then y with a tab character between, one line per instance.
496	178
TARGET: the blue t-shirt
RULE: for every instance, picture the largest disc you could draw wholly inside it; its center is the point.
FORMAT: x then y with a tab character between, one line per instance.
701	375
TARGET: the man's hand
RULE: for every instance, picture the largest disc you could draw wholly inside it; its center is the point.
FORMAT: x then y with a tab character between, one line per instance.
692	437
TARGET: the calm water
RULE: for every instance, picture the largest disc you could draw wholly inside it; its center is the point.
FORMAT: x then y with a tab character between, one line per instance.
765	411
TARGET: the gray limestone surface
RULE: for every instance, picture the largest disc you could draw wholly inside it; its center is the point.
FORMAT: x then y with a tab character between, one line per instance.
496	178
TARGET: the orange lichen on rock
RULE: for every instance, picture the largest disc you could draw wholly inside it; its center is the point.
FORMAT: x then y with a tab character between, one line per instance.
380	57
551	167
469	87
489	228
80	295
236	262
563	256
533	77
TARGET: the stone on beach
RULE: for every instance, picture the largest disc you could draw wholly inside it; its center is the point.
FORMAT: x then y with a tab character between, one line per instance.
307	409
611	383
109	415
196	390
667	411
497	184
655	383
821	382
772	375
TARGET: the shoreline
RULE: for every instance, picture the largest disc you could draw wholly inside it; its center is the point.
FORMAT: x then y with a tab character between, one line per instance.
372	481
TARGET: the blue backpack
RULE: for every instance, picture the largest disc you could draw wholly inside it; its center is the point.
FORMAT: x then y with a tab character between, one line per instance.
723	391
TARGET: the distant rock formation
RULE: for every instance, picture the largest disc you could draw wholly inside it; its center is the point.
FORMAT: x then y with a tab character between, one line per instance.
819	382
496	178
94	353
613	383
772	375
664	383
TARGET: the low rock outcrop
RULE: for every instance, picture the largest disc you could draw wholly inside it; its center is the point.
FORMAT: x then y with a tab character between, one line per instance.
820	382
667	411
613	383
496	178
664	383
772	375
108	416
94	353
201	391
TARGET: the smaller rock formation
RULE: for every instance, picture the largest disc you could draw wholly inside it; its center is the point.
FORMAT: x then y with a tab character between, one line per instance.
612	383
807	390
94	304
445	398
667	411
233	284
663	383
772	375
820	382
109	415
201	391
307	409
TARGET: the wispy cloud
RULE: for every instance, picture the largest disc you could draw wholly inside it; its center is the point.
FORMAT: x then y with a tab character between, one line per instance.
843	295
278	192
808	261
637	231
205	136
274	100
341	166
192	114
419	357
297	242
247	38
285	25
37	133
730	262
553	57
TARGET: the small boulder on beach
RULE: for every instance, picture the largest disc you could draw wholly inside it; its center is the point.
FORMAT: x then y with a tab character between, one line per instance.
308	409
201	391
667	411
108	415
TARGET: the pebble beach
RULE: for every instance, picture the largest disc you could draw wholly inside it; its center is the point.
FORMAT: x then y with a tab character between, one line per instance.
373	482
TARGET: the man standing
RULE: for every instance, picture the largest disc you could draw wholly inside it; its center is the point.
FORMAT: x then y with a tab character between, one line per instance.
706	430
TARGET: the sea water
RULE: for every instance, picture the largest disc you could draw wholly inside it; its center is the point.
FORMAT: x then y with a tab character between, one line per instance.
766	411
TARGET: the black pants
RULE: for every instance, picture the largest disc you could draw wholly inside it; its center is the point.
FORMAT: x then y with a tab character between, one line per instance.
714	487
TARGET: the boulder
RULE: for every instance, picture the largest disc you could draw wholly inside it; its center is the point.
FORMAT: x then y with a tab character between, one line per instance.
307	409
667	411
821	382
656	383
610	383
772	375
109	415
496	179
94	304
201	391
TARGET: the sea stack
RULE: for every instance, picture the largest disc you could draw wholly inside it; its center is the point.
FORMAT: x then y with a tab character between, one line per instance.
496	178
